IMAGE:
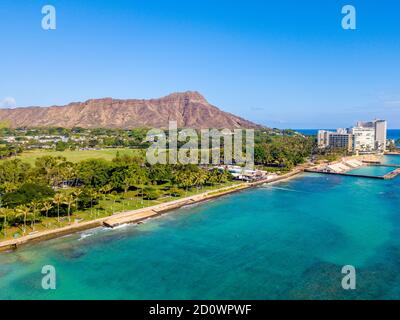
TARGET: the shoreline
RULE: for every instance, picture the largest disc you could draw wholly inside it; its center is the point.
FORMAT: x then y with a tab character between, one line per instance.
138	215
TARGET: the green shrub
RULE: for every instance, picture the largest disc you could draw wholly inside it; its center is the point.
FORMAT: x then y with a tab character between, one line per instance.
175	192
151	194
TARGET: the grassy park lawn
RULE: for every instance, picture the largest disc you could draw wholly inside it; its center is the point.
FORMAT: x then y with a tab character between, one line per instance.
76	156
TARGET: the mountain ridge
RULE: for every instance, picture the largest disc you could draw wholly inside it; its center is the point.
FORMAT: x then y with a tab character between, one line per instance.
190	109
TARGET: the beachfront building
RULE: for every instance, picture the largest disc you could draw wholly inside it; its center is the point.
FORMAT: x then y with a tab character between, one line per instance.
379	128
240	173
340	139
323	139
380	135
365	137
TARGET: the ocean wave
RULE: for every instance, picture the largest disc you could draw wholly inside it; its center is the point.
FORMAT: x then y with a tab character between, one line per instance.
93	232
84	236
284	189
121	226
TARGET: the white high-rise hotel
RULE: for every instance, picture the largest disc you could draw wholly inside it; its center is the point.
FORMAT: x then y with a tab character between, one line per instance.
381	134
364	137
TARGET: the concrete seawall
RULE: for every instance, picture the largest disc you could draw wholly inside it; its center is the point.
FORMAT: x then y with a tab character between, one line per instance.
391	175
345	174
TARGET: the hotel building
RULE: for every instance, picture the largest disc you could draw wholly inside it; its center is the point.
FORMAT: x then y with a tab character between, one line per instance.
380	135
365	137
335	140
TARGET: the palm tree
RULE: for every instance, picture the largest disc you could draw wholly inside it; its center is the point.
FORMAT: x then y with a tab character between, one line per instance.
141	180
46	206
68	171
58	200
9	186
212	177
106	189
198	178
22	211
77	193
113	197
93	194
35	208
31	218
6	215
69	201
184	179
128	182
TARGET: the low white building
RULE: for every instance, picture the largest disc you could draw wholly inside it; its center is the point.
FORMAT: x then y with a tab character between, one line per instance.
241	173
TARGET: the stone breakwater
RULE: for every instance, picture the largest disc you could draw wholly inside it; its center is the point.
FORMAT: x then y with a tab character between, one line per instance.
347	165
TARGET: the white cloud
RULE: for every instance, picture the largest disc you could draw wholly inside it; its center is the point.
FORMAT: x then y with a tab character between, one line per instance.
8	102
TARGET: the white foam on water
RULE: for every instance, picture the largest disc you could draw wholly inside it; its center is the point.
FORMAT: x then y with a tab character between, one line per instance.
284	189
93	232
120	226
65	236
84	236
188	206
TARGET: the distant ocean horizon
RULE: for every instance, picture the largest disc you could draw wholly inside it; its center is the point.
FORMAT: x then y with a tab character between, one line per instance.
391	133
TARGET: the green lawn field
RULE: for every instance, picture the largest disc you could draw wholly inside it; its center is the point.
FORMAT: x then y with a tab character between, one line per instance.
76	156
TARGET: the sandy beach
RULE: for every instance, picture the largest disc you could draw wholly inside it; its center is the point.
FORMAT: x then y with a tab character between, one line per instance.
138	215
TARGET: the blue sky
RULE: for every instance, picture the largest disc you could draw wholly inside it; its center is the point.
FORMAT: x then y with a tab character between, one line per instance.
286	64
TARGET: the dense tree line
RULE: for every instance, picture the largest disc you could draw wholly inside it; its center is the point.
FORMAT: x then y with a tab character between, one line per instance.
283	151
30	193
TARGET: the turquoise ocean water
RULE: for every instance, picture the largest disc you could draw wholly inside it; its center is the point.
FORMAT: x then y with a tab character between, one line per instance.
289	240
372	171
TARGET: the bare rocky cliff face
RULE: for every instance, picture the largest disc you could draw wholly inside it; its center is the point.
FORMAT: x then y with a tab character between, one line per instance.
190	110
